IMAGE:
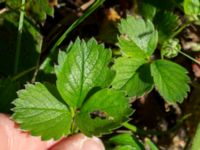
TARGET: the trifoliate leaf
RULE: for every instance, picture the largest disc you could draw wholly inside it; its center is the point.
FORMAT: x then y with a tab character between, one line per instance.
167	23
83	68
140	32
104	111
191	7
132	76
41	113
171	80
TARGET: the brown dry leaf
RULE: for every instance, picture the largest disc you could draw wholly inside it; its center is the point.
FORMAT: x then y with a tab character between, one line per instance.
196	68
113	15
87	5
191	39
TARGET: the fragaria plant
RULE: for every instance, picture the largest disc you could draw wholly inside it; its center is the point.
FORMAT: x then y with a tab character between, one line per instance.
90	96
82	99
92	87
137	72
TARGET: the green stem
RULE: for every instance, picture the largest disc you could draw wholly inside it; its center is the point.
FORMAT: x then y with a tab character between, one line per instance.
72	27
180	29
162	56
21	74
191	58
26	19
19	36
131	127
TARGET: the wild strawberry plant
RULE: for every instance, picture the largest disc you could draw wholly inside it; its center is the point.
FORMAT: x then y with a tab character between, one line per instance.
137	72
93	87
81	100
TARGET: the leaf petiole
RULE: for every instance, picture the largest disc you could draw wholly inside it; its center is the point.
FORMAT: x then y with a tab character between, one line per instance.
189	57
21	74
180	29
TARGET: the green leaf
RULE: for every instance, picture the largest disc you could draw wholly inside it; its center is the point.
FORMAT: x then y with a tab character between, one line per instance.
104	111
171	80
125	68
140	32
39	112
37	9
132	75
82	69
140	83
126	140
151	144
126	147
130	49
44	4
191	7
166	23
196	140
146	10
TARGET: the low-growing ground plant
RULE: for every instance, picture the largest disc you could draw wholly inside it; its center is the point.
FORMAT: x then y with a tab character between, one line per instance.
58	79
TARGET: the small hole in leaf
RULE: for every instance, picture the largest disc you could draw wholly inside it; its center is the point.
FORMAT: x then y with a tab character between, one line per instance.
98	114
